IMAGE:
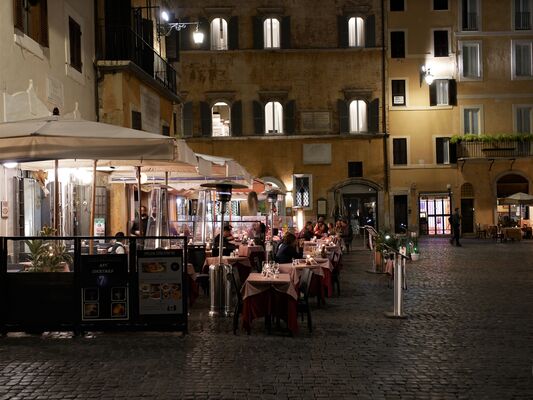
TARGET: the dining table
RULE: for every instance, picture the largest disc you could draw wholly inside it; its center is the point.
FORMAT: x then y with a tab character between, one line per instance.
246	250
270	296
242	264
321	281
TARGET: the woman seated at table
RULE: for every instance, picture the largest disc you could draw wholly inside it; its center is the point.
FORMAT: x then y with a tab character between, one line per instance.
228	247
288	249
321	230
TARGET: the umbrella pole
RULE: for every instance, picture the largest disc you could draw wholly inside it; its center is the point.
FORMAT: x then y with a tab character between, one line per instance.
56	196
93	208
142	233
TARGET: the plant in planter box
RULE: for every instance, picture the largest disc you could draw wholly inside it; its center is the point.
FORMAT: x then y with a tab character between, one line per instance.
47	255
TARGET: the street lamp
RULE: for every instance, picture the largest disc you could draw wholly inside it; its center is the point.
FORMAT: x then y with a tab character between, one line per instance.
426	76
217	276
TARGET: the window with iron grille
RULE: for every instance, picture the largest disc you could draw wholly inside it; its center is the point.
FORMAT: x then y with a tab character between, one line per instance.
302	191
470	15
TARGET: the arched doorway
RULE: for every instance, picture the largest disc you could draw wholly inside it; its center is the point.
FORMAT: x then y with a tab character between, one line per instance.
357	200
507	185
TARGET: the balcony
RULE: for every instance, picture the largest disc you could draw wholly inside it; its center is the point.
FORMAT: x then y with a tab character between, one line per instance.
121	43
495	149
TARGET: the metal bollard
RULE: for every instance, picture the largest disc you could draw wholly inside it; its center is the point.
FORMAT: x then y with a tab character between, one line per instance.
399	281
217	286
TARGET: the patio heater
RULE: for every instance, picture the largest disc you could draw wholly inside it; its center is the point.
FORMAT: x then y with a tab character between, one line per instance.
273	195
217	272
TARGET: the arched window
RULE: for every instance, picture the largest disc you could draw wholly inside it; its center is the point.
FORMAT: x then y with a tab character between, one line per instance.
219	34
358	117
220	118
271	33
356	32
273	117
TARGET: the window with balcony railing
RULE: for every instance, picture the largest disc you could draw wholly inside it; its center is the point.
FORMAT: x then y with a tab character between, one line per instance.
470	15
522	14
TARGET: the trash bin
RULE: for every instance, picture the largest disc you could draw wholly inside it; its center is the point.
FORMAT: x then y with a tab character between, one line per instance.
220	289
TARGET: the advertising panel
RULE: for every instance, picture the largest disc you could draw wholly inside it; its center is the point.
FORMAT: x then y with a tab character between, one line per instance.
160	282
104	287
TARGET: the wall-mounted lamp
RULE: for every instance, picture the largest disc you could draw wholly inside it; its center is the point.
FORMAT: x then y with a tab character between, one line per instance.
425	75
166	27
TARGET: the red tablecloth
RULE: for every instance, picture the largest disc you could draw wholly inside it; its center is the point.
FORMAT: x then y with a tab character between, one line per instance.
273	303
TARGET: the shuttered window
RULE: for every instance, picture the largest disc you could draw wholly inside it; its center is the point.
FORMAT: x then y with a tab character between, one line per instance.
31	18
399	151
74	38
446	152
440	43
397	44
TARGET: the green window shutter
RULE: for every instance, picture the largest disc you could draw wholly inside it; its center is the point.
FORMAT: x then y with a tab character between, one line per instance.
286	32
344	122
370	31
257	25
342	29
236	118
206	119
187	119
233	33
259	118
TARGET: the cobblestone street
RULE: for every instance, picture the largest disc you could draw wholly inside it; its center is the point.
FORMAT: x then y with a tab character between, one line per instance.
468	335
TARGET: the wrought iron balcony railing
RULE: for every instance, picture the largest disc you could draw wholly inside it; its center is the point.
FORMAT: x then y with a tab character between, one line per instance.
118	43
492	150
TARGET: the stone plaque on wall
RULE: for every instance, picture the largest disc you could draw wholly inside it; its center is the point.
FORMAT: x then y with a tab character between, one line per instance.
54	91
317	153
315	121
150	111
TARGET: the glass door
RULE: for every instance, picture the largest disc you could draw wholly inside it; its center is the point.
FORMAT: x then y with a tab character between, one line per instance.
434	214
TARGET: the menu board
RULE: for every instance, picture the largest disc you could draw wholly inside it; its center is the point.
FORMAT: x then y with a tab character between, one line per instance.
104	287
160	282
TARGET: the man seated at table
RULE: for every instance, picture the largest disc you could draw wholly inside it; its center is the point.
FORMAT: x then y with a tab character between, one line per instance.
307	232
228	247
288	249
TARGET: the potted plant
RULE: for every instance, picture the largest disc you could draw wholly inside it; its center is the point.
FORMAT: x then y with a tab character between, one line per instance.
47	255
415	250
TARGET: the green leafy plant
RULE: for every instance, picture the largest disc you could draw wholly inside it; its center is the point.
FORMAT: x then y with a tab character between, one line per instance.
491	138
47	255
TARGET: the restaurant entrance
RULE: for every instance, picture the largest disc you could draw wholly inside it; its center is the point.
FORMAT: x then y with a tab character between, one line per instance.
434	213
361	210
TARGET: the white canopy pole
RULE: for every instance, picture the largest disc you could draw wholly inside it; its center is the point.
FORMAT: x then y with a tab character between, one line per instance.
93	207
56	197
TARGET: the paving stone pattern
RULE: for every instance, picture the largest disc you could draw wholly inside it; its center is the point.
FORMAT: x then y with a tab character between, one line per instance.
469	335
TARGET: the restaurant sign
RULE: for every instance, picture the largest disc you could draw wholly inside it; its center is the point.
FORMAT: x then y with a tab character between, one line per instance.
104	287
160	282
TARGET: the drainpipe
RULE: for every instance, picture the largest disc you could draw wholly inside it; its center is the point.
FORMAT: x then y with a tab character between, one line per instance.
386	172
96	52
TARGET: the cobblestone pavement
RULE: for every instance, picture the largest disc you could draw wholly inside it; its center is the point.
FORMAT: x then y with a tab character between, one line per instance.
469	335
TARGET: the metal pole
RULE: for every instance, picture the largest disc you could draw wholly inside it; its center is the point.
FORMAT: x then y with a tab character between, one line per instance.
93	208
141	230
399	266
56	197
221	239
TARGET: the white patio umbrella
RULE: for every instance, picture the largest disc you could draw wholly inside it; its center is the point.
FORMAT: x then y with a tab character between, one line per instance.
518	198
55	138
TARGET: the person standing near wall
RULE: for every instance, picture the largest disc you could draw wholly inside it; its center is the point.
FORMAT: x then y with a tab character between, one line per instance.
455	223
